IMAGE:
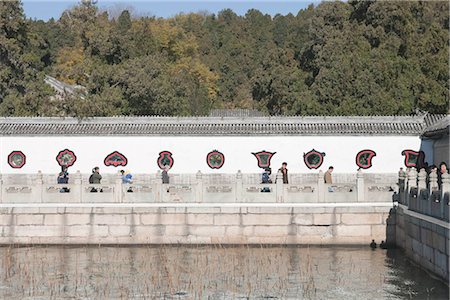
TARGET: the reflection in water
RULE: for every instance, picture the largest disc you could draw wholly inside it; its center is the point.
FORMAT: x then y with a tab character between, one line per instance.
214	272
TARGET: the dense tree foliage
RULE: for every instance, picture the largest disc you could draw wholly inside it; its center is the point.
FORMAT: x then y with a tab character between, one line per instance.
338	58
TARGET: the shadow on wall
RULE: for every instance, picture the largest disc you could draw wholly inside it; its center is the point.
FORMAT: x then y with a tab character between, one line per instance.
390	228
436	150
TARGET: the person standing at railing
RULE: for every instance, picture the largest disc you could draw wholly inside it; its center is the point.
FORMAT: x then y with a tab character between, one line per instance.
284	171
63	178
165	175
265	178
95	178
327	177
442	170
127	179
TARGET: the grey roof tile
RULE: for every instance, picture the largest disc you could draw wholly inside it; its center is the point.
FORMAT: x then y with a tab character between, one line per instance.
154	125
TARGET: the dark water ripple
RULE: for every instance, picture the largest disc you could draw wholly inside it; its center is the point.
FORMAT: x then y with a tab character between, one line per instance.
213	272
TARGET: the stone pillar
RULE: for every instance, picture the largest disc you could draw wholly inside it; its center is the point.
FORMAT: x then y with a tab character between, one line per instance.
433	186
78	188
38	187
1	188
321	187
199	187
433	181
279	187
445	188
421	186
412	178
239	186
158	187
360	185
118	189
421	178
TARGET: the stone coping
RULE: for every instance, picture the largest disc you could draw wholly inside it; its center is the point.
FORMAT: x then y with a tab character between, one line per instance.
196	205
417	215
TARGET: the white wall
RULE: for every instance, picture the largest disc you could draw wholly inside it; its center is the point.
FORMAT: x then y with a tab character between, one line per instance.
189	153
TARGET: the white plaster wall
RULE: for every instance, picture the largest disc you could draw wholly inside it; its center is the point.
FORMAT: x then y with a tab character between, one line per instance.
189	153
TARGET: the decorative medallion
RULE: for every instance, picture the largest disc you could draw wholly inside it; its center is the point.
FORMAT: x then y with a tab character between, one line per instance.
165	159
66	158
414	158
263	158
313	159
16	159
364	158
116	159
215	159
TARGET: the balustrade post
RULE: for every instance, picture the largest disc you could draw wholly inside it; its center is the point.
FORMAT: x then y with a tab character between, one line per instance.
421	185
412	178
421	179
445	188
239	186
433	186
158	187
360	186
39	186
78	186
321	187
118	189
1	188
433	181
279	187
199	188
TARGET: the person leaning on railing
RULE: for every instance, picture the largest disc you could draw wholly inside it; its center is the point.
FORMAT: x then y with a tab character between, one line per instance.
63	178
442	170
95	178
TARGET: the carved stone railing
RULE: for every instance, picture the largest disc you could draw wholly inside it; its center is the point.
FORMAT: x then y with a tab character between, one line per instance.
197	188
421	192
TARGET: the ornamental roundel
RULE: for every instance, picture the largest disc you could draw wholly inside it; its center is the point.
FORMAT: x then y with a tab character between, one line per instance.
364	158
215	159
66	158
313	159
115	159
17	159
263	158
414	158
165	159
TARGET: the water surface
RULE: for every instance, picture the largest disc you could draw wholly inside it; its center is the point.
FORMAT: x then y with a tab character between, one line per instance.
213	272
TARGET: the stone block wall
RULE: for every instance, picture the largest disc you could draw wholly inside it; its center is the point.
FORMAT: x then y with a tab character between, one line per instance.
425	240
238	224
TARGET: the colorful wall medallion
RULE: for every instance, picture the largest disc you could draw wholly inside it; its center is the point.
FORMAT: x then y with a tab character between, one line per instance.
116	159
313	159
215	159
364	158
165	159
17	159
263	158
66	158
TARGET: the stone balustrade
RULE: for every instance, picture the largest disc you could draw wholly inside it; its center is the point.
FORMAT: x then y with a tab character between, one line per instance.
422	193
199	188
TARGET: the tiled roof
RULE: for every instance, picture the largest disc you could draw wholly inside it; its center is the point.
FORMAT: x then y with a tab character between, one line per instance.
206	126
439	127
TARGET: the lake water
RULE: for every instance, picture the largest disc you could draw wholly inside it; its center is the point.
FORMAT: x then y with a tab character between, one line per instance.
213	272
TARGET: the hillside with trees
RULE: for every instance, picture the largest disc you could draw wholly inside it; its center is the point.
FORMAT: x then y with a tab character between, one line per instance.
336	58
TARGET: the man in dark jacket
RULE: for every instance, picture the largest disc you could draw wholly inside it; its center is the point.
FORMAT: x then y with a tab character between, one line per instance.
284	171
